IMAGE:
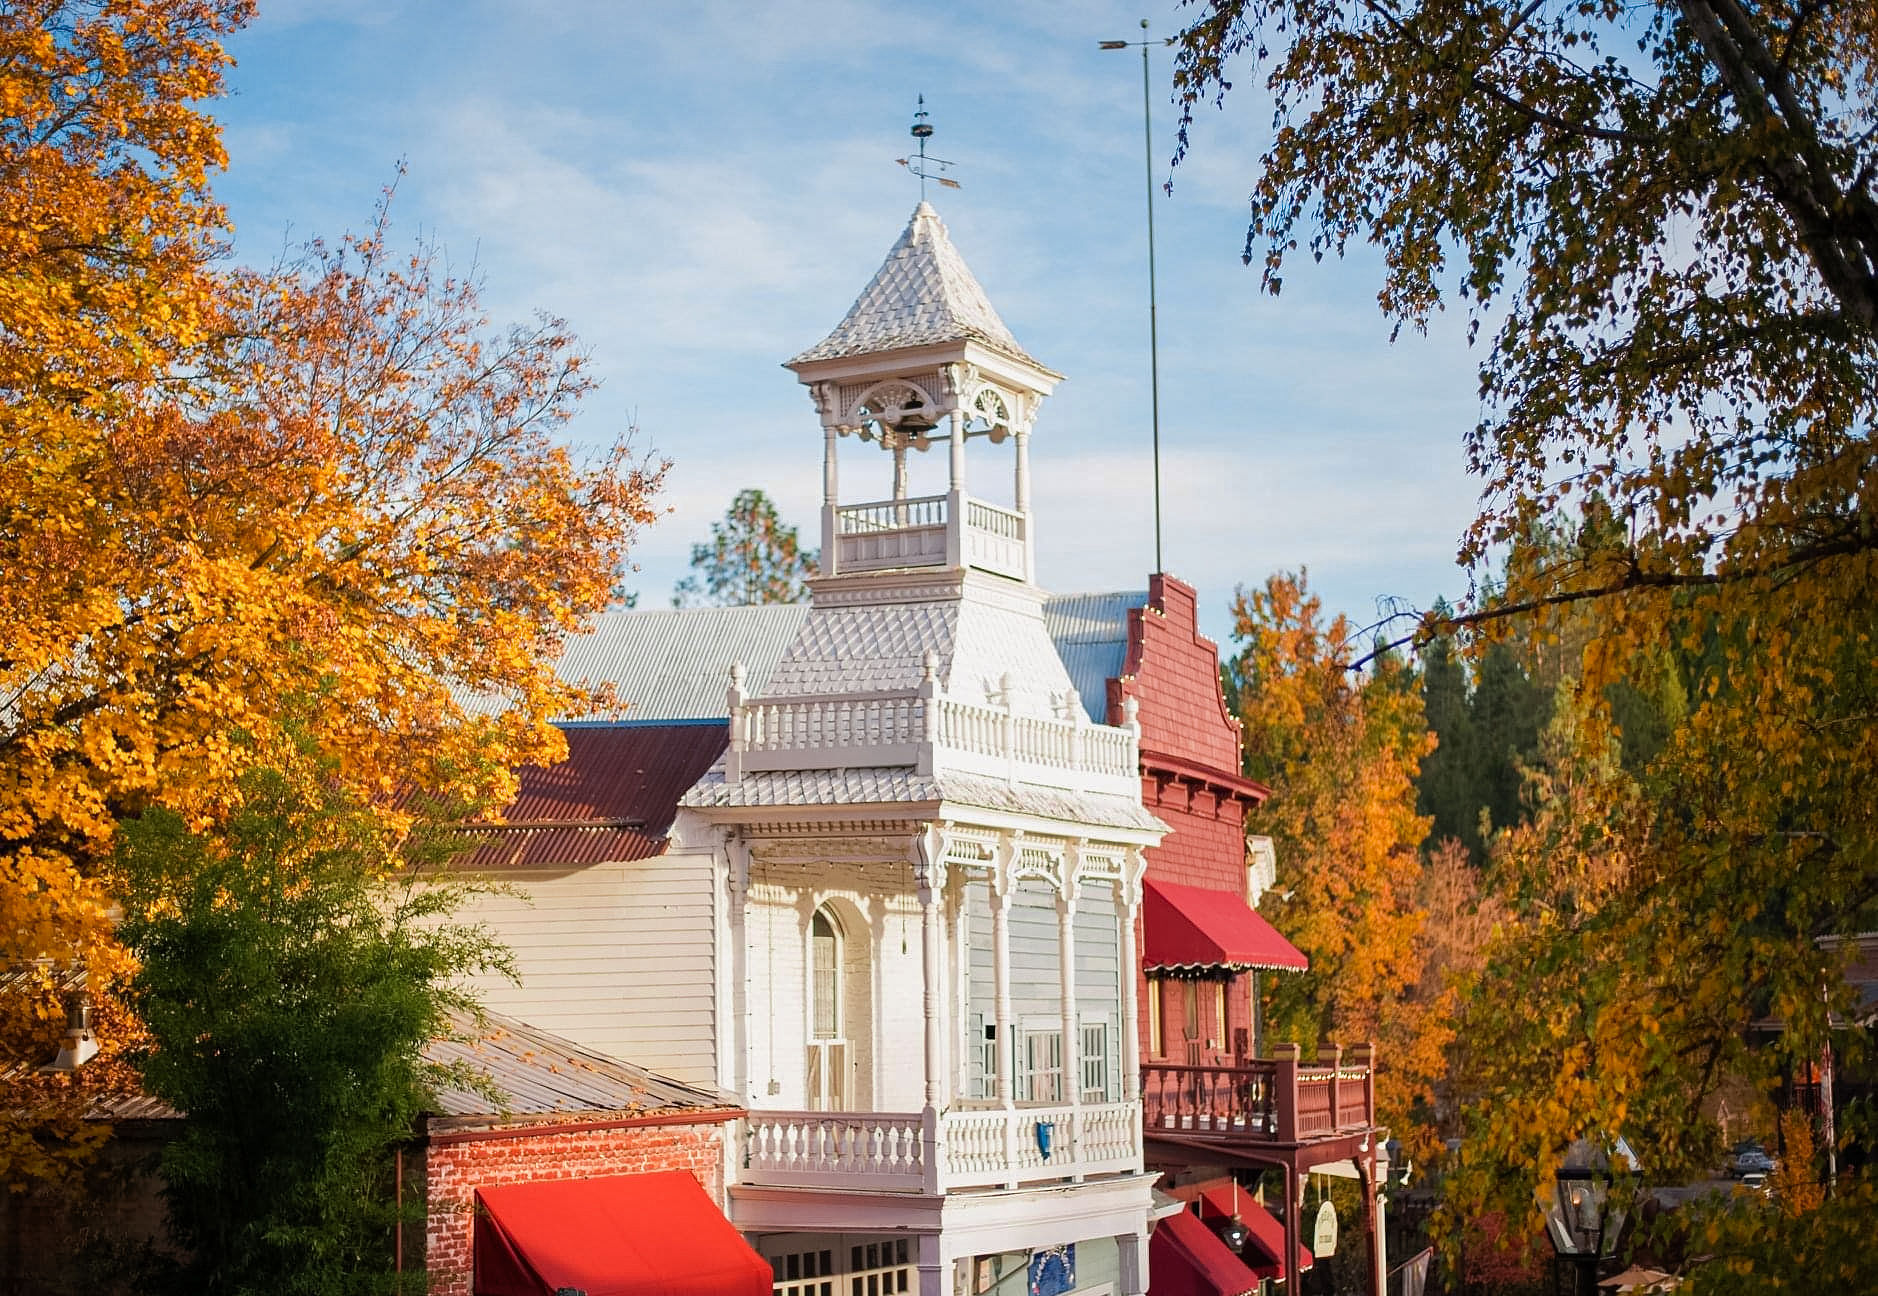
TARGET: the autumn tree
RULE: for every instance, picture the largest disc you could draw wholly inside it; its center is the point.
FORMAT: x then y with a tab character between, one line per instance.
105	238
324	501
1665	216
752	558
1340	752
1668	208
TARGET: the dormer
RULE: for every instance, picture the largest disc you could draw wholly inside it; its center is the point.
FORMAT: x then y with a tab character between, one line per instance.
922	359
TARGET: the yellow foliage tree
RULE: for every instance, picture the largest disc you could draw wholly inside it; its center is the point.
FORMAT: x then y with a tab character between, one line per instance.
246	512
1340	752
105	234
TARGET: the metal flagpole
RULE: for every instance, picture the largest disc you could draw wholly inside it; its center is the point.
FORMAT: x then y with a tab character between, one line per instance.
1154	347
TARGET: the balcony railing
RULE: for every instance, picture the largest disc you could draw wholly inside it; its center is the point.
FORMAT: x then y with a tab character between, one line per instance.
981	1148
902	728
912	532
1262	1100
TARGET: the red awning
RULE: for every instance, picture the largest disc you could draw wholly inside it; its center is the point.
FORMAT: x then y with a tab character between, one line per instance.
1185	1258
1268	1232
1191	927
631	1235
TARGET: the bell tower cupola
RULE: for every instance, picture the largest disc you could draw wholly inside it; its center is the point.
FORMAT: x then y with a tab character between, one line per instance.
922	360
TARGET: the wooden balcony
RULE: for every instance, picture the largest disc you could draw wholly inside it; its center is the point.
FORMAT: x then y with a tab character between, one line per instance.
1278	1102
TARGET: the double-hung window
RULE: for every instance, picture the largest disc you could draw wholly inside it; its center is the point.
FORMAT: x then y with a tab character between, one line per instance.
1038	1072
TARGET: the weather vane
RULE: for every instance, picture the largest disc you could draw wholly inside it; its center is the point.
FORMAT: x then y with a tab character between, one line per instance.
923	166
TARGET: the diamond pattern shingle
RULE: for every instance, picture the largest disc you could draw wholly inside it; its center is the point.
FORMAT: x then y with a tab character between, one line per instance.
862	649
901	786
922	294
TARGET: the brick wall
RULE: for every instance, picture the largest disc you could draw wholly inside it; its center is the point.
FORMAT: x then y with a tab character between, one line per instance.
453	1171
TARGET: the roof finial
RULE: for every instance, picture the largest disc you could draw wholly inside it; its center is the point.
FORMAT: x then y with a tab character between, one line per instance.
926	168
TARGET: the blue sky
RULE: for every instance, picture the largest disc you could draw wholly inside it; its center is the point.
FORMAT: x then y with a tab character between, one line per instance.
702	190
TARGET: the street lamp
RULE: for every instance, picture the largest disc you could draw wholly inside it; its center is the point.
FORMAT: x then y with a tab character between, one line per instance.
1582	1226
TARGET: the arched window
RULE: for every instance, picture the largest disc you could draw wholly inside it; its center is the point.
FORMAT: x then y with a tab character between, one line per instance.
828	1042
824	979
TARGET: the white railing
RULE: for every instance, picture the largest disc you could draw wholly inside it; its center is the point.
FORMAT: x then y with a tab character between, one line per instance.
888	515
1102	1139
982	1148
913	532
1107	753
846	731
873	1150
1007	523
833	732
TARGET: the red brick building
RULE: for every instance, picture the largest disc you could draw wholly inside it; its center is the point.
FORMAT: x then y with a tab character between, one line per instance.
579	1138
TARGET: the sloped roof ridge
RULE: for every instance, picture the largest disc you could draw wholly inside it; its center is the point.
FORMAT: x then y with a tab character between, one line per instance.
923	293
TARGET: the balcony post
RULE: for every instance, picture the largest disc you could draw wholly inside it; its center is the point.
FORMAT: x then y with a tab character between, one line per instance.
1363	1056
1331	1057
831	545
739	725
955	497
1003	892
1020	492
1072	1038
929	857
1129	893
933	1278
1285	1082
929	711
1131	1259
1294	1201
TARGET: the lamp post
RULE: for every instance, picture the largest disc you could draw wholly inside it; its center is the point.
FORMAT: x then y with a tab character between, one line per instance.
1582	1226
1154	349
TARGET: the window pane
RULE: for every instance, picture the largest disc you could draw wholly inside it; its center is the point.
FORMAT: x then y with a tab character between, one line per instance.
824	972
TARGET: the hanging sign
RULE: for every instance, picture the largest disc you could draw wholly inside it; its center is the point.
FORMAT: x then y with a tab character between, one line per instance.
1053	1270
1324	1236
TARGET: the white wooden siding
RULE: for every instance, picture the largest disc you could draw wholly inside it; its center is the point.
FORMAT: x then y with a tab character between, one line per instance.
617	957
883	981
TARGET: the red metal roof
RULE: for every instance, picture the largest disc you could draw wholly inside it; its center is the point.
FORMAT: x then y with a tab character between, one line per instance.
612	800
1188	927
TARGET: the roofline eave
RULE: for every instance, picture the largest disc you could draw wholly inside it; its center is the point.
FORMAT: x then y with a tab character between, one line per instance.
897	360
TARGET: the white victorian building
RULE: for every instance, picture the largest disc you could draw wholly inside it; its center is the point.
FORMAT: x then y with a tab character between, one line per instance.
896	918
932	856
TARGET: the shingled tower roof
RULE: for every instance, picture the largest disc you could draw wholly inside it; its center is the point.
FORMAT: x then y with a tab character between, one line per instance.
923	294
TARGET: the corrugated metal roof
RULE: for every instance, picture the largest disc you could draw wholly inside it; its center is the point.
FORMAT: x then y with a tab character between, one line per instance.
613	799
675	664
535	1072
539	1073
1091	635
